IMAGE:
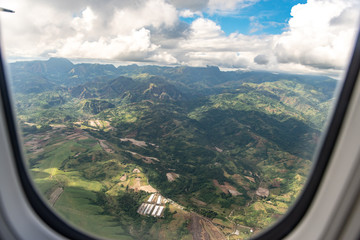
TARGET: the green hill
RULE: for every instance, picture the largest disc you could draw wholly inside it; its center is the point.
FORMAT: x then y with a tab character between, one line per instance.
234	147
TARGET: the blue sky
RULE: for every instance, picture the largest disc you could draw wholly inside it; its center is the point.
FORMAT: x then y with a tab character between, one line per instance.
263	17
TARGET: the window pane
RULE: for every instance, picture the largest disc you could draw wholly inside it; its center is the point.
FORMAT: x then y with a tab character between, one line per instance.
163	119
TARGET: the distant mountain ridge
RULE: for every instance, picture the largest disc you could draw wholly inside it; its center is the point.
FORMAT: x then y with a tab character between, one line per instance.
239	143
61	71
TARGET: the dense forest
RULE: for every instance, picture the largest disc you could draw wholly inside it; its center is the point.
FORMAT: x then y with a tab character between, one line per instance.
230	151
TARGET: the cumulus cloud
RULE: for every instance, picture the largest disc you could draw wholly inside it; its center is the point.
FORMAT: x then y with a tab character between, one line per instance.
155	13
319	34
261	59
213	6
164	57
205	29
229	6
85	22
205	34
227	59
316	40
131	47
190	4
84	31
207	44
189	14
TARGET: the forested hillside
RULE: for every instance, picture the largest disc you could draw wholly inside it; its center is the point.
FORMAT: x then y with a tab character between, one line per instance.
230	151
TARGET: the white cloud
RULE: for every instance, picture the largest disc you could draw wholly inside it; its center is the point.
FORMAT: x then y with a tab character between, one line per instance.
190	4
213	6
42	29
261	59
226	59
85	22
29	32
229	6
317	40
155	13
207	44
163	57
319	35
205	29
189	14
134	46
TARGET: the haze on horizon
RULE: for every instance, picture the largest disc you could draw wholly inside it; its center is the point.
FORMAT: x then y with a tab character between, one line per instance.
313	37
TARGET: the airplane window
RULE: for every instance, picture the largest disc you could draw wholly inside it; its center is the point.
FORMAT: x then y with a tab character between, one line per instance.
158	119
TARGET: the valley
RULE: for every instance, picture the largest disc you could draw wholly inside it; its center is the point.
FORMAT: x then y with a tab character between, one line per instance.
229	151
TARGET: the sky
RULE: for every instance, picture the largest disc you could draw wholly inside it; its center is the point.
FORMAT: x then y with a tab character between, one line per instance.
302	37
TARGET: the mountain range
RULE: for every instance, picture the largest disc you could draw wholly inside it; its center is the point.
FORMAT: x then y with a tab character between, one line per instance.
237	145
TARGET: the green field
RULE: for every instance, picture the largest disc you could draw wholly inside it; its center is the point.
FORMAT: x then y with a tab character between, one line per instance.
239	143
78	206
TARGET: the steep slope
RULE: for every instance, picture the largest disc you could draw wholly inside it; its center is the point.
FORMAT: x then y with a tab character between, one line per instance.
231	150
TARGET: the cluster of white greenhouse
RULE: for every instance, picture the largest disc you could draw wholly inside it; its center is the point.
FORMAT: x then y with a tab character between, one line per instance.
154	206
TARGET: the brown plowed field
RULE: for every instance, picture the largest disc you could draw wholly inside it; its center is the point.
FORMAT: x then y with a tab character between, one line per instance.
203	229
